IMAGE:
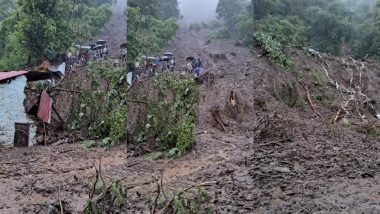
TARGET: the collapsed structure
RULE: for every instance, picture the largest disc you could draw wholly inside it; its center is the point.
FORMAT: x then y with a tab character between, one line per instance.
17	125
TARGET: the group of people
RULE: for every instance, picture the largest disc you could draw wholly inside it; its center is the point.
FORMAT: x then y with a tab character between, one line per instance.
194	67
168	65
154	64
84	54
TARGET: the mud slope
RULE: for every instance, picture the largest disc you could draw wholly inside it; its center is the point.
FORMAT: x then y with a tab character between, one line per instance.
276	154
115	32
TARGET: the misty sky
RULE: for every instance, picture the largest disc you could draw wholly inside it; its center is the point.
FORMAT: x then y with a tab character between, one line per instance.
198	10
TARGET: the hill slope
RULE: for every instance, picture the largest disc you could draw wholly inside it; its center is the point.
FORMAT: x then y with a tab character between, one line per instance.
275	154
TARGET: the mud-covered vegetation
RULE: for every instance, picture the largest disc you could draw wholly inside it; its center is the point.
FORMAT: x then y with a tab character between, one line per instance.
101	109
273	49
171	114
35	30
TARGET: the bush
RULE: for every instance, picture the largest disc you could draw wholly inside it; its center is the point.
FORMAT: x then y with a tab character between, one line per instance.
171	114
273	49
102	108
286	30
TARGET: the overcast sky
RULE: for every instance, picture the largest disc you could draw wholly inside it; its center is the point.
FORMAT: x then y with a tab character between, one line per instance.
198	10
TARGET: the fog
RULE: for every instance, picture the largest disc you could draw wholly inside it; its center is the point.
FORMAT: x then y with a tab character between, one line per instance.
198	10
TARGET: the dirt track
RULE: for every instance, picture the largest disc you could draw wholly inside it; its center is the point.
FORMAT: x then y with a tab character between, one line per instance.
297	164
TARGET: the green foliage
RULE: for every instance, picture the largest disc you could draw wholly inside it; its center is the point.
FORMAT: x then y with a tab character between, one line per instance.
133	19
154	155
243	24
171	114
147	34
111	194
12	52
273	49
324	25
117	193
226	10
6	8
185	203
192	200
286	30
88	21
44	28
238	20
169	9
33	30
103	109
89	144
220	33
147	7
327	29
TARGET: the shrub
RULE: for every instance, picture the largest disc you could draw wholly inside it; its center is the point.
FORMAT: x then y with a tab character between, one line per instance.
102	108
171	114
273	49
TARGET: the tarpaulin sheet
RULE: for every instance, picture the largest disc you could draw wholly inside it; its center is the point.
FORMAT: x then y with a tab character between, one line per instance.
44	110
58	68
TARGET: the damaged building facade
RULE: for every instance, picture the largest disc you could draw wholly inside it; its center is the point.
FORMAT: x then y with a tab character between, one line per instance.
16	129
19	123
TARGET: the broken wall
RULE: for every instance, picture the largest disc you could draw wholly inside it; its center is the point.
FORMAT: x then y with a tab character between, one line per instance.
12	111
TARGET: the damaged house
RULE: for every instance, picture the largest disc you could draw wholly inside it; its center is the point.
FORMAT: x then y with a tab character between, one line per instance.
16	129
18	126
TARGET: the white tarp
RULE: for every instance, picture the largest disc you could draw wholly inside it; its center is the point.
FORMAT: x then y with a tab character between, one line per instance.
58	68
129	78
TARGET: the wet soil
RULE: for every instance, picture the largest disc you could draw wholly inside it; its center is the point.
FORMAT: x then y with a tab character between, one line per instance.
115	32
272	158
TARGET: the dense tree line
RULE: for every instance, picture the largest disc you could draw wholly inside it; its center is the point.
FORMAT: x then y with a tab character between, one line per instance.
335	26
238	19
151	24
33	30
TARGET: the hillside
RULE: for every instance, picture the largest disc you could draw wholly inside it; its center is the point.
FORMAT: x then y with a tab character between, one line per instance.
276	152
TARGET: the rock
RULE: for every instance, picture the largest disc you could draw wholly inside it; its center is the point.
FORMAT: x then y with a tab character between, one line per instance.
282	169
40	139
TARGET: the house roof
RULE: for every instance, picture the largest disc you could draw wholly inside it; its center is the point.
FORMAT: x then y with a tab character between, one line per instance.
11	74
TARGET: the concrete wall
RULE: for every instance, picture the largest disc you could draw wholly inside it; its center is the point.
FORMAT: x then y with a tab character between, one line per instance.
12	111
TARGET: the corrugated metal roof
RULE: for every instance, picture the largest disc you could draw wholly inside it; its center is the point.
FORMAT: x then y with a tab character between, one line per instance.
44	110
11	74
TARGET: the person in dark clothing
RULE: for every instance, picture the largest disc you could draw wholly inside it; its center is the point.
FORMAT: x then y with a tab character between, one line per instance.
131	67
199	63
194	64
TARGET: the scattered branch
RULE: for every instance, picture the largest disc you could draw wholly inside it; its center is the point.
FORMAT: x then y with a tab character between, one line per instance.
311	102
59	198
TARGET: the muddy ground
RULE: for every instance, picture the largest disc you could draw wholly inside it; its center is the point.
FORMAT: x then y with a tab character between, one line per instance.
292	162
276	155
